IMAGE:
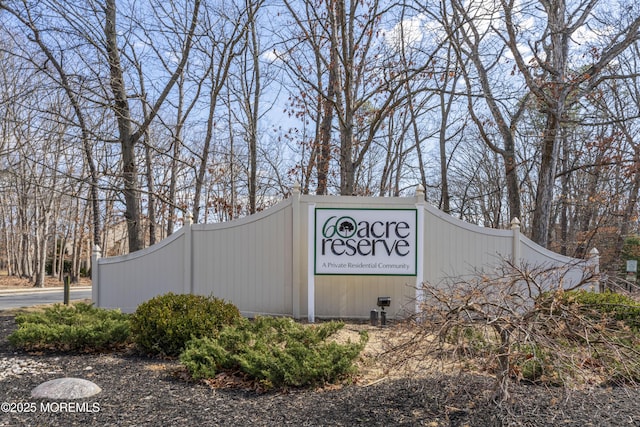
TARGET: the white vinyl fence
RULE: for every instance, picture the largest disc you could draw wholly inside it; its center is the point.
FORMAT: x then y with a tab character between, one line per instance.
272	262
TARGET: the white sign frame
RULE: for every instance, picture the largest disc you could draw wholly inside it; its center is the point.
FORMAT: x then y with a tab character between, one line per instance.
365	241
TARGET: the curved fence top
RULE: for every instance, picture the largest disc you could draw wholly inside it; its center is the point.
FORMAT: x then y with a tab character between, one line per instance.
265	263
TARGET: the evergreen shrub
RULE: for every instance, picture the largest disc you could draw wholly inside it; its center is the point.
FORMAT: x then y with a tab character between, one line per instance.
620	307
277	352
164	324
78	327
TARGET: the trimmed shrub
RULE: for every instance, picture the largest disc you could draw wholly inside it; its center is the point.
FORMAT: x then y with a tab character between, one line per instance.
278	352
164	324
79	327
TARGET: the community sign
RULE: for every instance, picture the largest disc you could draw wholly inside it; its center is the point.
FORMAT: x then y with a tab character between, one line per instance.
366	241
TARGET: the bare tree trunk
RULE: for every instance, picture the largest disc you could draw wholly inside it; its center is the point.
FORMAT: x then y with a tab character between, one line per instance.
564	213
181	116
131	189
54	254
148	156
4	224
326	128
345	23
151	192
173	180
416	137
63	245
204	156
43	209
77	239
546	181
326	125
253	109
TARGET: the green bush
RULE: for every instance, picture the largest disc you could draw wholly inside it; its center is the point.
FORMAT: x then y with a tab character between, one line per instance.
79	327
204	357
164	324
278	352
619	307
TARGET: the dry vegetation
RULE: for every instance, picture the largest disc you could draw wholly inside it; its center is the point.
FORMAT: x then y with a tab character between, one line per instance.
13	282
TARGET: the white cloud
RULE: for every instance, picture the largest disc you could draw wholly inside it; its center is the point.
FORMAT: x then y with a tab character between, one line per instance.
273	56
411	31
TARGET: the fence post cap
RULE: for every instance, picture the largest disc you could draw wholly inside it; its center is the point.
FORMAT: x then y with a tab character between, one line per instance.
594	252
515	223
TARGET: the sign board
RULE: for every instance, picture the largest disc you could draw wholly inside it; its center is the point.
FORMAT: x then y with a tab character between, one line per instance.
365	241
632	265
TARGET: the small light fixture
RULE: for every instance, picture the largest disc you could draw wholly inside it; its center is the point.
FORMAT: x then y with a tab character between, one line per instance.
382	303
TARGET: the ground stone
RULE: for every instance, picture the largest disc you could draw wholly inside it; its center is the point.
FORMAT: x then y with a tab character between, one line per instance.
18	366
66	388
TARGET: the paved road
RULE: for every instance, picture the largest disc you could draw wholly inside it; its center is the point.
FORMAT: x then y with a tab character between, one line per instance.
16	299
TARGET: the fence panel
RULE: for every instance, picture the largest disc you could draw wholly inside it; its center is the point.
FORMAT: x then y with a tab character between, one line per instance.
574	271
456	248
247	262
126	281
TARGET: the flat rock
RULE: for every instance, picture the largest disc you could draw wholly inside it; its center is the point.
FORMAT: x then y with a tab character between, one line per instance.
66	388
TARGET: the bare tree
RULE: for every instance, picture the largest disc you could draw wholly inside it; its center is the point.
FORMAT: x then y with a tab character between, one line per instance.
127	136
557	87
217	53
619	101
346	50
468	29
249	94
64	78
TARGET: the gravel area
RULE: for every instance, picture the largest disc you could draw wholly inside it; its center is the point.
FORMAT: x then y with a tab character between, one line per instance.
139	391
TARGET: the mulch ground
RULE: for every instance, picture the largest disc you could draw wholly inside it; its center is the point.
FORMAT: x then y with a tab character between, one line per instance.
139	391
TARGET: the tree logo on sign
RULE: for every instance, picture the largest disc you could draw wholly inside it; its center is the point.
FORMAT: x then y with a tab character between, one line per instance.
344	227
